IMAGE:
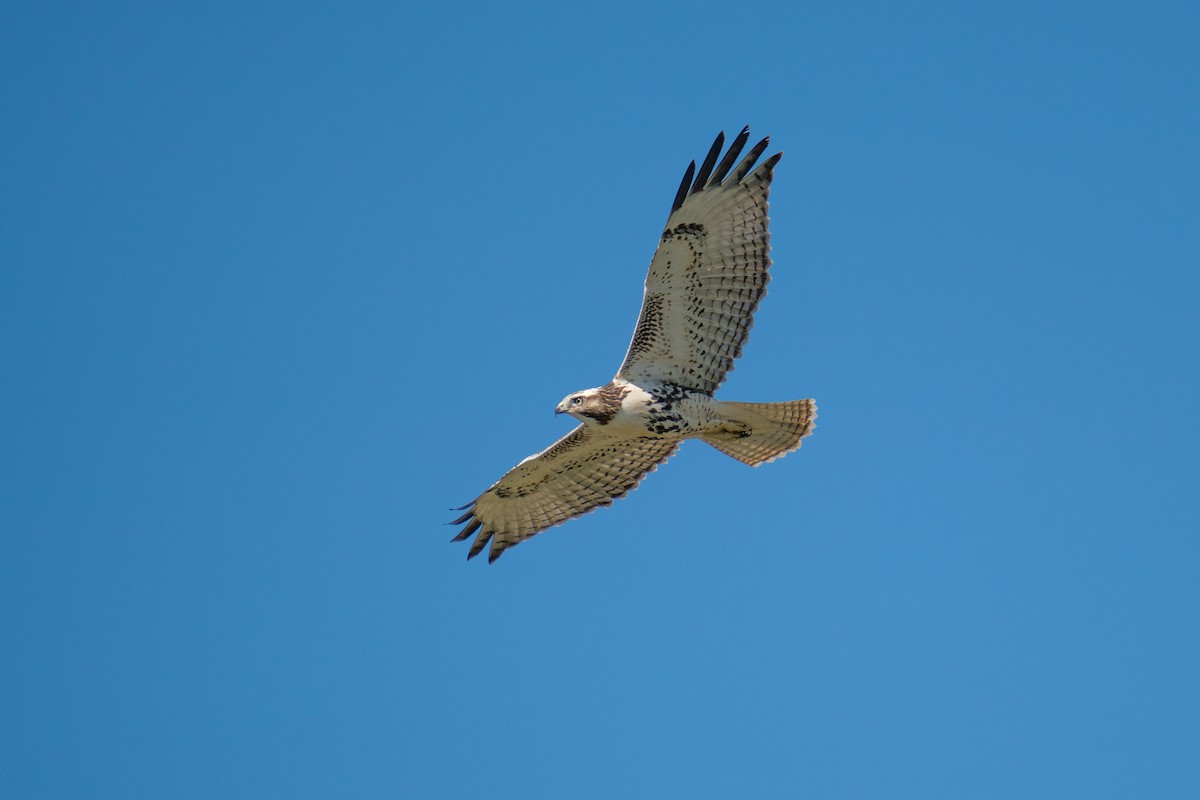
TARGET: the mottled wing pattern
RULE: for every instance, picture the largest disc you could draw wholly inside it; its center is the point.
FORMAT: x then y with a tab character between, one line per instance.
584	470
708	274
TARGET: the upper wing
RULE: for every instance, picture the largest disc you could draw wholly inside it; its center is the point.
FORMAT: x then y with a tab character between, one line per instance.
582	471
708	274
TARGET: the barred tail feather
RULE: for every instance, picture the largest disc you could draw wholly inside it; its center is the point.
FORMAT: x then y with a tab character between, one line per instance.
771	430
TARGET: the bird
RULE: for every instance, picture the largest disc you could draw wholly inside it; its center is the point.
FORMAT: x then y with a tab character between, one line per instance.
706	279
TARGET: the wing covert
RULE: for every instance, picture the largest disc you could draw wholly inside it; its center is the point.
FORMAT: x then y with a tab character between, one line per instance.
708	274
582	471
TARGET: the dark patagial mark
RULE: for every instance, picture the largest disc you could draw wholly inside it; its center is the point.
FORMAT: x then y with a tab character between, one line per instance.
649	324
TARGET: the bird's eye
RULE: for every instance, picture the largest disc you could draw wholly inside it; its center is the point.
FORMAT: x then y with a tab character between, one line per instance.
576	401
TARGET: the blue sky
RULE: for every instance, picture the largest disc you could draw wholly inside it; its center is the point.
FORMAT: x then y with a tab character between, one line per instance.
281	284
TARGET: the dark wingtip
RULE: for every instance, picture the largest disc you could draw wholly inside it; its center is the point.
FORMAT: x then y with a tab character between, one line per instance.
480	542
713	174
747	163
686	184
471	527
730	156
709	161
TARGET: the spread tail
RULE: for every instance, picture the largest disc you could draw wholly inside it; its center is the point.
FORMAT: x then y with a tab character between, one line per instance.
756	433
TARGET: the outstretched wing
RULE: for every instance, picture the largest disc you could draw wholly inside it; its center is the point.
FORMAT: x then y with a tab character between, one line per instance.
708	274
584	470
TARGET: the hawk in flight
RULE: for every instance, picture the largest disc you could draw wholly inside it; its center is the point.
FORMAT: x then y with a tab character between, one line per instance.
705	282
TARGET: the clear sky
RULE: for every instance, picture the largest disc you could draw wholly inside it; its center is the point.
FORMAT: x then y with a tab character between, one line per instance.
282	283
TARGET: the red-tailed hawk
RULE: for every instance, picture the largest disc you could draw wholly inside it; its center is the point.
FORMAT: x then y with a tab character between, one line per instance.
705	282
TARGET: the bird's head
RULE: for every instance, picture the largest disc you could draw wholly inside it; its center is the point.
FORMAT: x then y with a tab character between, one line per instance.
592	406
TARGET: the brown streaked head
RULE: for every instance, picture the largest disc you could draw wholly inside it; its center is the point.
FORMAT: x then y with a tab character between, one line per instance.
593	406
